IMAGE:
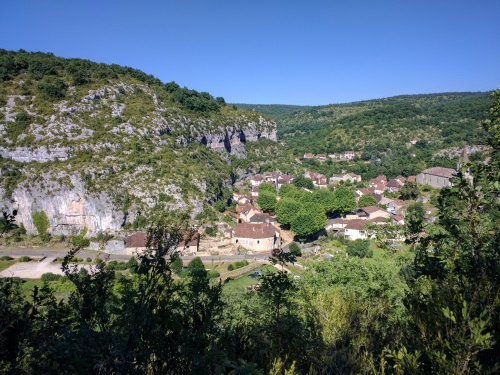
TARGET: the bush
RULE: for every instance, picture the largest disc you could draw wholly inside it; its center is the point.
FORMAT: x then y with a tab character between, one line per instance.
359	248
49	276
177	265
6	257
295	249
25	258
114	265
89	259
80	242
213	274
211	231
236	265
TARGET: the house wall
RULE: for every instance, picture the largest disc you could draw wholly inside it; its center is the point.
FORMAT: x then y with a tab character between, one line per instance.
381	213
134	250
432	180
354	234
262	244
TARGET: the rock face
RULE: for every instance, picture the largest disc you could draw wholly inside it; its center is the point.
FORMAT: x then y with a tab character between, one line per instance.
124	124
230	138
68	210
39	155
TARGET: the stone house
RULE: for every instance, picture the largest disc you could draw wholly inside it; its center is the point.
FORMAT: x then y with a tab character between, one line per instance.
355	230
135	243
257	237
373	212
396	206
437	177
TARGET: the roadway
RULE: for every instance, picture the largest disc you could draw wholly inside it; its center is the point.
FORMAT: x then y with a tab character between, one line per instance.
60	252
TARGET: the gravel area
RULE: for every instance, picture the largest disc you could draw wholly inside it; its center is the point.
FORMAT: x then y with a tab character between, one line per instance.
32	270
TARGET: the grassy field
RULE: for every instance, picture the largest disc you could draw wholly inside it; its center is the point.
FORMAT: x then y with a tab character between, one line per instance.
244	281
4	264
61	288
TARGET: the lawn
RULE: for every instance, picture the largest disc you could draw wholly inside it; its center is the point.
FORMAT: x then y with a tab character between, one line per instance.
62	287
245	281
4	264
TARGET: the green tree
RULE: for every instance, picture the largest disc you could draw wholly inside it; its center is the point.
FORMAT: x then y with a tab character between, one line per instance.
196	266
409	191
177	265
287	190
267	187
42	224
286	210
326	199
345	200
267	201
367	201
308	222
220	205
295	249
303	182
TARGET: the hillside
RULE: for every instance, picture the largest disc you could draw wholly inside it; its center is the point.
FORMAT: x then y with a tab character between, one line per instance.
273	110
379	131
95	145
447	119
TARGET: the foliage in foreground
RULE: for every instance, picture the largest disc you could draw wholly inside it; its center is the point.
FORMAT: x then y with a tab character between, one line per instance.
435	312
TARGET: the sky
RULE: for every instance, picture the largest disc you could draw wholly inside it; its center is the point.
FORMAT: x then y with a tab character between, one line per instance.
275	52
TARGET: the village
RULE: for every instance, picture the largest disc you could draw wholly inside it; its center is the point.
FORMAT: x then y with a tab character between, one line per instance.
248	229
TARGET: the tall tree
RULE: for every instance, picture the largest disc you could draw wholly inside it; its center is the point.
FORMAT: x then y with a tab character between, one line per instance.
366	201
345	200
267	201
286	210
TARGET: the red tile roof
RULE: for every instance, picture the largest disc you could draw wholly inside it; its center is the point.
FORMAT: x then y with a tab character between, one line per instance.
136	240
357	224
255	231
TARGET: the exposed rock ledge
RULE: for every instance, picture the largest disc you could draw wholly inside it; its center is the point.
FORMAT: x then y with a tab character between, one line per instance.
39	154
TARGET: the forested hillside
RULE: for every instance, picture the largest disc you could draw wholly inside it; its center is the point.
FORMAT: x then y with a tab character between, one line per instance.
273	110
375	126
380	131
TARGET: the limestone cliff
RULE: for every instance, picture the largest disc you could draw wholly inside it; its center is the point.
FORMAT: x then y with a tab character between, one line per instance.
96	152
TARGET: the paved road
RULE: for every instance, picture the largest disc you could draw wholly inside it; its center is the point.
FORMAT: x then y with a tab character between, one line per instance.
37	269
54	253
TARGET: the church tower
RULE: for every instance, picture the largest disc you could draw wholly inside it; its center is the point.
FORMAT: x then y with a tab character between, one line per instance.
463	159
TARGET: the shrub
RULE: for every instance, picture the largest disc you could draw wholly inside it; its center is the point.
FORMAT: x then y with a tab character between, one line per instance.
295	249
176	265
80	242
359	248
89	259
236	265
213	274
25	258
6	257
211	231
49	276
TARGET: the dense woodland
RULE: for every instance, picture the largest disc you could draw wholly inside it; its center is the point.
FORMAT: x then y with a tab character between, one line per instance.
433	309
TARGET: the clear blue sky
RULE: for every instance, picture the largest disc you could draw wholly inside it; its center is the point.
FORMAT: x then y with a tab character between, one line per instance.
275	52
